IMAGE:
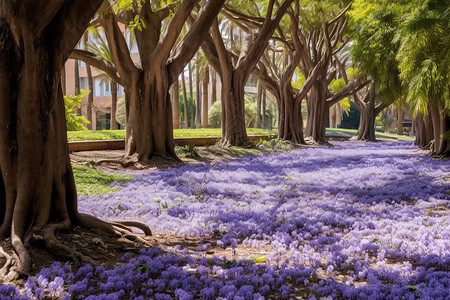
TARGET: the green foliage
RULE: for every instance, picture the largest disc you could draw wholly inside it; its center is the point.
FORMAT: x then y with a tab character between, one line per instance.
121	116
91	181
373	27
300	79
75	122
424	54
188	151
191	109
351	120
215	114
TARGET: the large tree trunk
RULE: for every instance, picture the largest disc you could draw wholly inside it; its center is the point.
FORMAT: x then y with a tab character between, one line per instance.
37	189
436	120
205	99
113	105
366	131
290	122
149	127
234	132
317	112
176	104
444	149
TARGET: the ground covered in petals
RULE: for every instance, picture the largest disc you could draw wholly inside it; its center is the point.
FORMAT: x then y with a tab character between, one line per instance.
353	221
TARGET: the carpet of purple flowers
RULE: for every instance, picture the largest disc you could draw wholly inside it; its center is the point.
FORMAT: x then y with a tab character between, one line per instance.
353	221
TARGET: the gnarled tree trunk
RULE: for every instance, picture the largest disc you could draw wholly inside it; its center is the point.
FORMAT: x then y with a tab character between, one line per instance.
234	131
37	189
149	124
290	122
176	104
317	112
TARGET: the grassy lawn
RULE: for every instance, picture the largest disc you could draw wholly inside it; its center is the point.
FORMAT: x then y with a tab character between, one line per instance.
178	133
379	135
187	133
90	181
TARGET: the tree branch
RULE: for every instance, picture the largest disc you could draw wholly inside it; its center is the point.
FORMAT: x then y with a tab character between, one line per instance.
118	47
348	90
189	45
97	62
176	23
68	25
259	45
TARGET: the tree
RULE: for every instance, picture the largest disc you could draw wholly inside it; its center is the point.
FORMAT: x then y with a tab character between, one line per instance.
374	26
235	71
37	189
324	38
424	63
161	60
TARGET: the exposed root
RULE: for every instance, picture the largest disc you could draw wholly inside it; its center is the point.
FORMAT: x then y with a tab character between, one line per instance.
7	265
139	225
117	228
58	248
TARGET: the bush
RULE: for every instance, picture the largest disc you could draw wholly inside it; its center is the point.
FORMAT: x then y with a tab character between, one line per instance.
75	122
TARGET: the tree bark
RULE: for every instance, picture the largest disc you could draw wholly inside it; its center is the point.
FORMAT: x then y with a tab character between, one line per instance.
176	104
149	130
436	121
113	105
317	112
290	121
205	98
368	113
37	189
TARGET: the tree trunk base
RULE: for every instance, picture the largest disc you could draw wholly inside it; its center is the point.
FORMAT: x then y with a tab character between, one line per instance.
18	266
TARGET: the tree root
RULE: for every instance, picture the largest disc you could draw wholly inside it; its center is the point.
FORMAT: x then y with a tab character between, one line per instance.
139	225
117	228
6	266
19	263
58	248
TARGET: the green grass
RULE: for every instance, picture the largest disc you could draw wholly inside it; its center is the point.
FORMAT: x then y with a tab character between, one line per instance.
91	181
209	132
379	135
178	133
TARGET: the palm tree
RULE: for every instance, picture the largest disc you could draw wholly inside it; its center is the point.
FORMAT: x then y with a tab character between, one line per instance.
424	63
